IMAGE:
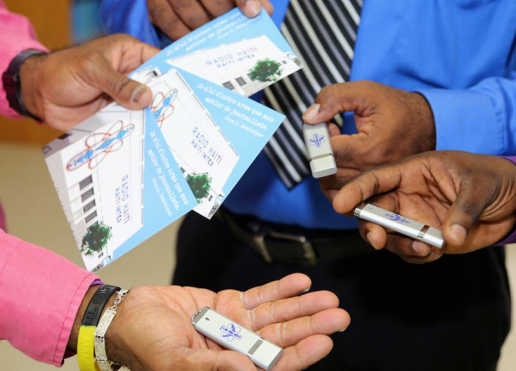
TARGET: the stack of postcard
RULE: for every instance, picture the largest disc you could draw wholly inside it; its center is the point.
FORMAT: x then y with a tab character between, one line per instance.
123	175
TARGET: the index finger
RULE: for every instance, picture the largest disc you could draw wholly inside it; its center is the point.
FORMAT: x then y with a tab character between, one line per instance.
136	55
369	184
348	149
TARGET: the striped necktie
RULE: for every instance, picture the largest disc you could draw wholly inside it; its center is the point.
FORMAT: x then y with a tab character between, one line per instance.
322	33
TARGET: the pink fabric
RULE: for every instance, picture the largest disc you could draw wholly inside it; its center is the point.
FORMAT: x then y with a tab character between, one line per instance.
40	294
16	35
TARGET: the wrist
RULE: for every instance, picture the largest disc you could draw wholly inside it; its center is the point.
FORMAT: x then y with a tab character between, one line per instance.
29	83
117	351
74	336
425	116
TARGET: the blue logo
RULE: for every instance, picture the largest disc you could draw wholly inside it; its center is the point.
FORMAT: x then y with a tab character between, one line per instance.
230	332
397	218
162	105
316	140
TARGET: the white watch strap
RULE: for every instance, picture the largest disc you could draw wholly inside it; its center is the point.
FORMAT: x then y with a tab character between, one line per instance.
100	333
100	340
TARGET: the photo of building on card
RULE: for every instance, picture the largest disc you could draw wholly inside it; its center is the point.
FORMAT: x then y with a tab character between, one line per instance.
204	155
246	66
97	169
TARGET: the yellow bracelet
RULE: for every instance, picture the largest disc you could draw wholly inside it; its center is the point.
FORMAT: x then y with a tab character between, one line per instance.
85	347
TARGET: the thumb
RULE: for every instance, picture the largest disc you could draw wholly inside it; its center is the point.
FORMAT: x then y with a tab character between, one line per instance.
464	213
332	100
251	8
219	360
123	90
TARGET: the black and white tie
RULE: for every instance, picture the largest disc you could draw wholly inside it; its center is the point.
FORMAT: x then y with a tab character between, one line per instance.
322	33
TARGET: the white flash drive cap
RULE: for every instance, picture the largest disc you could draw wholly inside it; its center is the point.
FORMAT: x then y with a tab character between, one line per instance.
433	237
323	166
265	354
318	145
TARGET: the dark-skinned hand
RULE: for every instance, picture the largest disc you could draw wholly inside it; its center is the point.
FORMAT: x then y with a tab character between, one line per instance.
471	198
392	124
177	18
66	87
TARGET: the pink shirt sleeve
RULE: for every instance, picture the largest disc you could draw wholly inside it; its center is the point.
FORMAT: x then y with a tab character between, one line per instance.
16	35
40	295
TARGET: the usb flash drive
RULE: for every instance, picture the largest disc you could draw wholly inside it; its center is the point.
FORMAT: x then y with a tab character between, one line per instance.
317	141
231	335
401	224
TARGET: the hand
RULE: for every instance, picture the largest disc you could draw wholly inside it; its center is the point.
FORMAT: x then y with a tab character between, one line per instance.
176	18
152	329
471	198
392	124
66	87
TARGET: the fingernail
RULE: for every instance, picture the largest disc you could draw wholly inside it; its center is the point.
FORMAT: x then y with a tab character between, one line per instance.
459	232
344	329
253	8
311	112
368	237
421	248
138	93
305	291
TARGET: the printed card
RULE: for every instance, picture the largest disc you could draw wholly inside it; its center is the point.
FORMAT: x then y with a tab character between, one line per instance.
123	175
242	54
117	182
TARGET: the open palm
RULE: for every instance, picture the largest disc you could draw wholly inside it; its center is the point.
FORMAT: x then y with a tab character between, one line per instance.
471	198
163	314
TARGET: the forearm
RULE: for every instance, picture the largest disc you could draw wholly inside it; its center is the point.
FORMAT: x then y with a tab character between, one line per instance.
40	295
17	36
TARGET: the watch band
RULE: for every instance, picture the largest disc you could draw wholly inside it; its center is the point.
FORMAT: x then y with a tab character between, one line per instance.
100	333
90	320
97	304
12	83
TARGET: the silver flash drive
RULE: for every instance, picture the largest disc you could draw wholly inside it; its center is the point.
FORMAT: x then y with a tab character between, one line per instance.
232	336
317	141
401	225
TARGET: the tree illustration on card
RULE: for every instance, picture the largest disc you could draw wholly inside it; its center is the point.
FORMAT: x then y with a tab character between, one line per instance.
200	184
96	238
265	70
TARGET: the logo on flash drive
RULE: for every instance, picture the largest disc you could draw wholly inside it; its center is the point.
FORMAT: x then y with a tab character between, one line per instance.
230	332
397	218
317	140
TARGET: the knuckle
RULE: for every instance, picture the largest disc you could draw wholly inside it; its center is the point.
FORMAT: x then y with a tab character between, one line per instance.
120	84
327	93
89	65
283	333
151	8
179	4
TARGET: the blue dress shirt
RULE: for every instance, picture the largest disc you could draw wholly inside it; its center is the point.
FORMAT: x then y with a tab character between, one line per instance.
460	54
